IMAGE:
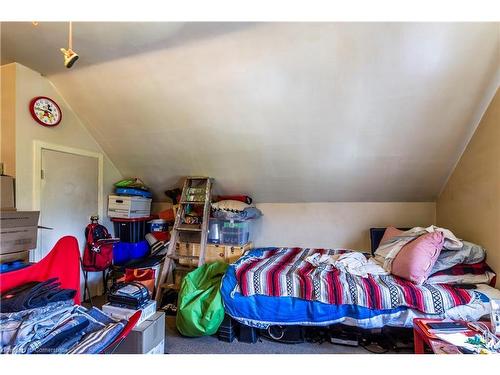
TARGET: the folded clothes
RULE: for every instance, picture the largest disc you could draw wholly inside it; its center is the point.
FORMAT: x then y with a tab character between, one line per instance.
34	294
57	328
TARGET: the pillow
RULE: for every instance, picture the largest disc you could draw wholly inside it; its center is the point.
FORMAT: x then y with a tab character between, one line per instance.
230	205
389	233
415	260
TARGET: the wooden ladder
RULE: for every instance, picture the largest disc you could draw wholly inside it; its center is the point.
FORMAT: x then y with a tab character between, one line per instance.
195	192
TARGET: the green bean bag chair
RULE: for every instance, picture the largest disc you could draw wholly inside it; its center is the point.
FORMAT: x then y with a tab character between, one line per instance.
199	308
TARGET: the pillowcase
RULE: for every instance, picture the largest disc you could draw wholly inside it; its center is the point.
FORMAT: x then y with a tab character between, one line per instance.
389	233
415	260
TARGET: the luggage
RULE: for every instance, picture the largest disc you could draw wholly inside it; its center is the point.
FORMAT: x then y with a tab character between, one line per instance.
128	294
200	310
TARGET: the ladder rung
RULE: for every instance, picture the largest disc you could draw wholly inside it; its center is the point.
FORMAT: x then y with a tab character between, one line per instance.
184	268
192	202
188	229
176	257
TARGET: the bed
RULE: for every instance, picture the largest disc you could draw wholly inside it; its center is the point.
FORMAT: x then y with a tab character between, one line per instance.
277	307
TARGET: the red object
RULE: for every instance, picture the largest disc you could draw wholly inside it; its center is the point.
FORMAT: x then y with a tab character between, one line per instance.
167	215
161	236
62	262
35	117
422	336
242	198
97	256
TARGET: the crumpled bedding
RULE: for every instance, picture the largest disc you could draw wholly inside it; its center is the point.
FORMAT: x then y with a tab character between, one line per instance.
469	253
354	262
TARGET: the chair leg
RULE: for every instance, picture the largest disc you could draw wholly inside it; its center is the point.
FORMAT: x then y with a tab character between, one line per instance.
86	288
105	281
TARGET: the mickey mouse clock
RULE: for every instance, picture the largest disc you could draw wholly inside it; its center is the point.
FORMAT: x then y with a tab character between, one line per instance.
45	111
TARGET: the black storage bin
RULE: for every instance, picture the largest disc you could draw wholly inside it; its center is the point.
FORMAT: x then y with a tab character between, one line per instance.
227	330
130	230
248	334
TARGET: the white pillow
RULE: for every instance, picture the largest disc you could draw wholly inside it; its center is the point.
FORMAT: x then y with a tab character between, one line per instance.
230	205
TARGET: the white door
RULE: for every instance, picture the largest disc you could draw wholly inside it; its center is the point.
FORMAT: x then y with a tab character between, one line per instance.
68	197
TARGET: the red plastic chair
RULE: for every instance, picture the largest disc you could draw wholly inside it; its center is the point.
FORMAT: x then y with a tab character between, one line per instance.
62	262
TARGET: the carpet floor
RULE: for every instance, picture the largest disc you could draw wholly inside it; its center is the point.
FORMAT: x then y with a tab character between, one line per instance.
178	344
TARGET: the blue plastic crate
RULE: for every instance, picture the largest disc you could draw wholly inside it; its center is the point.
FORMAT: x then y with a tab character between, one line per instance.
124	252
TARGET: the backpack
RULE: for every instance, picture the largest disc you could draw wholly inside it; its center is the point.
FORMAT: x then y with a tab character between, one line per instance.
98	254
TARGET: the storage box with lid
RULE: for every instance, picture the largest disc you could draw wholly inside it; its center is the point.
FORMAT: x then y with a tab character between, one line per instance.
128	207
230	232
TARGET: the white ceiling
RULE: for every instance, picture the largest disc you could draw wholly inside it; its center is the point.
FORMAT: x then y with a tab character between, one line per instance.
285	112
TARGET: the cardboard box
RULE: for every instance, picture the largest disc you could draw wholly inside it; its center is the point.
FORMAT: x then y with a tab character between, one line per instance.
18	230
147	337
158	349
7	198
128	207
118	312
18	255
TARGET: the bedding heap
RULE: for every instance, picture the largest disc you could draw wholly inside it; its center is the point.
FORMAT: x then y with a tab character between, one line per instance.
433	255
285	272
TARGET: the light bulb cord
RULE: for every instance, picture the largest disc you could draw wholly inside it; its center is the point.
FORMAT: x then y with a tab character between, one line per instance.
70	39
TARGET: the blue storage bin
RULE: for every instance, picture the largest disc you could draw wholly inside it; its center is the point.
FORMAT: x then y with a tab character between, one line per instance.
127	251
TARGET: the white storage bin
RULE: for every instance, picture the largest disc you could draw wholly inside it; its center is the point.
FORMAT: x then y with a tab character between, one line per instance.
128	207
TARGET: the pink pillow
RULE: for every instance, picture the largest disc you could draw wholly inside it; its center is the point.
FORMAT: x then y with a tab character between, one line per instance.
415	260
389	233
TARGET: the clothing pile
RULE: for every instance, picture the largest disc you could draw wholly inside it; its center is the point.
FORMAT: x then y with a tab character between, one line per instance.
40	317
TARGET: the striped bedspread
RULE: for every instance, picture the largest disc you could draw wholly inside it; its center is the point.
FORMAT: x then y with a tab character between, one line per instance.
284	272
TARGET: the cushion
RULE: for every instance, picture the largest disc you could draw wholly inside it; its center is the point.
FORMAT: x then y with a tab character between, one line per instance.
389	233
415	260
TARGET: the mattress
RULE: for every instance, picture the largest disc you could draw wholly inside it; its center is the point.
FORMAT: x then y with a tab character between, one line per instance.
261	311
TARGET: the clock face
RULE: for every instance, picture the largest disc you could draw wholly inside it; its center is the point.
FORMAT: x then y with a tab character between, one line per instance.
45	111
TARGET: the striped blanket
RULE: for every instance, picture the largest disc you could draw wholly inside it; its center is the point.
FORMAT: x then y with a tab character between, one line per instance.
284	272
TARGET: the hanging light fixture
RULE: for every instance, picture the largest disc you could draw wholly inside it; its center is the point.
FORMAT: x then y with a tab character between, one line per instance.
70	56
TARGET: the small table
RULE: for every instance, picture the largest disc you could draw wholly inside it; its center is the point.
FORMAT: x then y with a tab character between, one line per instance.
422	337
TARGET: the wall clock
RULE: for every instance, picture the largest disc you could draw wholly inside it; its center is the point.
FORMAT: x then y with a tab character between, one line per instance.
45	111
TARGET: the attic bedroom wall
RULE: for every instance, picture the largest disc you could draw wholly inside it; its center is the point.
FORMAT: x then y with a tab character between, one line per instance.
470	202
70	133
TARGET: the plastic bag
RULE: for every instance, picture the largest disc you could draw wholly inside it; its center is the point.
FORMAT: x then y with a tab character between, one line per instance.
199	309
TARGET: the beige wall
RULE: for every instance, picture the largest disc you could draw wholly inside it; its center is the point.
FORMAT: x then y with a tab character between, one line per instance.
71	133
339	224
470	202
8	118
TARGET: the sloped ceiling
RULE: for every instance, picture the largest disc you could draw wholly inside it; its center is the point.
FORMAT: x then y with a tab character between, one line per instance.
285	112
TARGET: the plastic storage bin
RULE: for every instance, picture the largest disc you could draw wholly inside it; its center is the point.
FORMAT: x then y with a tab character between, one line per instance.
230	232
130	230
126	251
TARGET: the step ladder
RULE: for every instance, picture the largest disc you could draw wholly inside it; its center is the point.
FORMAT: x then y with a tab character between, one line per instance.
196	192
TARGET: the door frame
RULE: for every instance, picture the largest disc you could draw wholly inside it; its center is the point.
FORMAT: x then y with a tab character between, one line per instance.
38	147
